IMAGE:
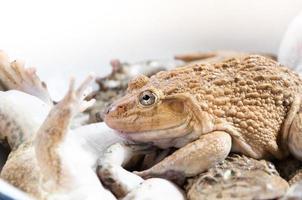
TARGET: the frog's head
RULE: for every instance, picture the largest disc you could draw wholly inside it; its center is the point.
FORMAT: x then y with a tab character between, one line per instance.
146	114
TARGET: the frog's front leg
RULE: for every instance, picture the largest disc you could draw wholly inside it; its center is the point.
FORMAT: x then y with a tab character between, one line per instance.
53	132
193	158
14	76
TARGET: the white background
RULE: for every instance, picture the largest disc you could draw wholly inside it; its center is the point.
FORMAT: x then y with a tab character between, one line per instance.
61	38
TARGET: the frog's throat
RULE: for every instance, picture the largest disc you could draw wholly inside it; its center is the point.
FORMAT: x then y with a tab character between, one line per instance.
180	130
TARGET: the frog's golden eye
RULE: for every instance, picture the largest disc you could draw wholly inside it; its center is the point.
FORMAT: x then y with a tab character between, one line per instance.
147	98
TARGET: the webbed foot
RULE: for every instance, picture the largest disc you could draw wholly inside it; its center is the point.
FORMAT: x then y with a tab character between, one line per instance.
75	98
14	76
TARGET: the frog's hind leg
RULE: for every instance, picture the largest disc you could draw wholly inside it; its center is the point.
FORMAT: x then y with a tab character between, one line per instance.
52	133
14	76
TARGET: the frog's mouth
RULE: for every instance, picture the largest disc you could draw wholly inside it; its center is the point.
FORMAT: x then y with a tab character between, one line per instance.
180	130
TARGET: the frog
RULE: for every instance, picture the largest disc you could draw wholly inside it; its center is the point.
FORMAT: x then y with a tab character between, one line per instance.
248	104
48	159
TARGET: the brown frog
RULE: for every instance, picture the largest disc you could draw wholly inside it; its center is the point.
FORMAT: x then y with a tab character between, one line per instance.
249	105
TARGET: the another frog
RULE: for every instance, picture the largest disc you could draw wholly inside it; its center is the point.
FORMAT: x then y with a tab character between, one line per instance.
48	159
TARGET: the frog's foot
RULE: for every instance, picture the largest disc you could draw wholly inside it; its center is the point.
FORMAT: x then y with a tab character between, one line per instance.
74	100
113	175
193	158
14	76
53	131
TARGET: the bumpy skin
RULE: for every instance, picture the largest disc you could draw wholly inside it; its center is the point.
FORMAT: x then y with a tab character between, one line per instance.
244	105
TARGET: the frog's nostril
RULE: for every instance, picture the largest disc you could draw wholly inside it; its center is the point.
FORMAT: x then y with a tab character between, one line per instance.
112	109
109	108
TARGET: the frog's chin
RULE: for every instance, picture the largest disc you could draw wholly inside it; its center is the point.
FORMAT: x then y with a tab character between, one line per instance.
153	136
161	135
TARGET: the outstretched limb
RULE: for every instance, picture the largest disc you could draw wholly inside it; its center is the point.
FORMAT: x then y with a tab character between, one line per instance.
53	131
111	171
193	158
14	76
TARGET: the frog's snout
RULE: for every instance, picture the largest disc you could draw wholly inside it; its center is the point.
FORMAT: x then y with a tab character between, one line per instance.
108	112
111	109
112	115
100	116
107	109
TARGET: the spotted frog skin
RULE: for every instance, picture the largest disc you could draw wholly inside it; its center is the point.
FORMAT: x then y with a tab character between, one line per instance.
249	104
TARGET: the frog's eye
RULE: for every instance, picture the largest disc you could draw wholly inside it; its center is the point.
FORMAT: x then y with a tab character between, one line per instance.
147	98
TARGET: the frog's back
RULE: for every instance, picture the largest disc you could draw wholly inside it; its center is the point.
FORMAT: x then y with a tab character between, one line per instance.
253	94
